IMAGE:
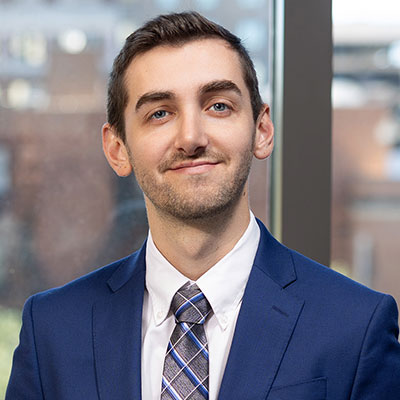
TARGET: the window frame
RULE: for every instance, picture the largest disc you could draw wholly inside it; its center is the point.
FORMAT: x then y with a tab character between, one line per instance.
301	109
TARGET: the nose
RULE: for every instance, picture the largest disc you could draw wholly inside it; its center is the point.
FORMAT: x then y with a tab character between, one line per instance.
191	137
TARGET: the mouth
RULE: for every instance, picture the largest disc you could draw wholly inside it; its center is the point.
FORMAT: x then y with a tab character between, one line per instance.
194	167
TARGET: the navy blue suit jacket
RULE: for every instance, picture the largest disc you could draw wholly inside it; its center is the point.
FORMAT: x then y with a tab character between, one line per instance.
304	332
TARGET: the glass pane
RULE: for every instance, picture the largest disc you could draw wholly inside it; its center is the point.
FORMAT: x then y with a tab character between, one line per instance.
62	210
366	142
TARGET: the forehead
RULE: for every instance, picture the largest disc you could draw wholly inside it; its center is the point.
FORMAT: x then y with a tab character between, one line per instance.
183	69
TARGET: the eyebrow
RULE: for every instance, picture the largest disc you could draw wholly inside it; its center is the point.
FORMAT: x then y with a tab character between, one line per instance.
220	86
152	97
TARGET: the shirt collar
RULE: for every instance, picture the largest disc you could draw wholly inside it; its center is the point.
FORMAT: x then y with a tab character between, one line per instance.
223	284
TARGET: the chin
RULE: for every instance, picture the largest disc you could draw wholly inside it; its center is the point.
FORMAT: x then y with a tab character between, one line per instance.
199	209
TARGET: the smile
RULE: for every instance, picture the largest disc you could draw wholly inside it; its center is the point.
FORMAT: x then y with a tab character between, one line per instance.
194	167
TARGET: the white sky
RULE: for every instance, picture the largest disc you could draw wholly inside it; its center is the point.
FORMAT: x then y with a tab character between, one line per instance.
372	12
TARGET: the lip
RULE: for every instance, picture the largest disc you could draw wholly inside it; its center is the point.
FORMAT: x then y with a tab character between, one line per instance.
194	167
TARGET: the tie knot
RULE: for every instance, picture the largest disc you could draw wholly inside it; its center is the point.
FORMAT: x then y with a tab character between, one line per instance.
190	305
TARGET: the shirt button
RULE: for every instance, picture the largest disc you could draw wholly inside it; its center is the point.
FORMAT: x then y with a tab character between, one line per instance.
159	314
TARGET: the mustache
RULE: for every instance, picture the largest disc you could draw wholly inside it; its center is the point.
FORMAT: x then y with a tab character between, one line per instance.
179	157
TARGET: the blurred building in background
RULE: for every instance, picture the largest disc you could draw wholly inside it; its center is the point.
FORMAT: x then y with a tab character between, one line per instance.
366	142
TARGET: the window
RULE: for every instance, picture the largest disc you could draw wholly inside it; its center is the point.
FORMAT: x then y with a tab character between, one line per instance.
366	142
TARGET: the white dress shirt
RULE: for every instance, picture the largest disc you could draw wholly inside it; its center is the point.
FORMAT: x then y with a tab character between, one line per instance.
223	285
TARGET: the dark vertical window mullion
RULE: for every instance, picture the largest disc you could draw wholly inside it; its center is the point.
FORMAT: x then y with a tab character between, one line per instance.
301	173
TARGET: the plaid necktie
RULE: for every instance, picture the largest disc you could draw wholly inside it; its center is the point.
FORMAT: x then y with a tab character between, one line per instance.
185	374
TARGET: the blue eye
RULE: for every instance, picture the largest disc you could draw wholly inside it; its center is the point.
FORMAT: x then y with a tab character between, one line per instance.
219	107
159	114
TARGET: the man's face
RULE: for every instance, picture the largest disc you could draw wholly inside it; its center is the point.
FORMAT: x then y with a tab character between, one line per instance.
189	126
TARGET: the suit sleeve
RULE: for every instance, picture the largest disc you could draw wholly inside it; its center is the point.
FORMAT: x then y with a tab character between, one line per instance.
378	371
24	381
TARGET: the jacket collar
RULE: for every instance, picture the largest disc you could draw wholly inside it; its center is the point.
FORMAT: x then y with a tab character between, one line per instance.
266	321
274	259
127	269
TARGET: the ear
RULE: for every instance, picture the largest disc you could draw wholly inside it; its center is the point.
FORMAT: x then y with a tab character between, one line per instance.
116	151
264	140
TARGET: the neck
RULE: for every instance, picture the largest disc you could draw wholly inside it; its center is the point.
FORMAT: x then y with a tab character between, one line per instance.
193	247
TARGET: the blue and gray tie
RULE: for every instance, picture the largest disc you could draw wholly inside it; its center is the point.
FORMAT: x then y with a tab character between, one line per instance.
185	374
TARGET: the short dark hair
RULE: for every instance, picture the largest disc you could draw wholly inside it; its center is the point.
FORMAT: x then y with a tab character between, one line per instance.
174	30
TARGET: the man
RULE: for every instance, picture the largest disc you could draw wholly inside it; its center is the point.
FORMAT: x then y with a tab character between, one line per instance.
212	306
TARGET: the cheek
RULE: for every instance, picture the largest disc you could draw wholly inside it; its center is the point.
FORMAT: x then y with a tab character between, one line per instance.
146	155
235	139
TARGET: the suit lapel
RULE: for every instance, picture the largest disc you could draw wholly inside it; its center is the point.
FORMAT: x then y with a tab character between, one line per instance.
117	322
266	321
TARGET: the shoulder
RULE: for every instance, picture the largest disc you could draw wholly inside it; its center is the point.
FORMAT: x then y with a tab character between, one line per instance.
311	274
309	280
80	294
328	292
